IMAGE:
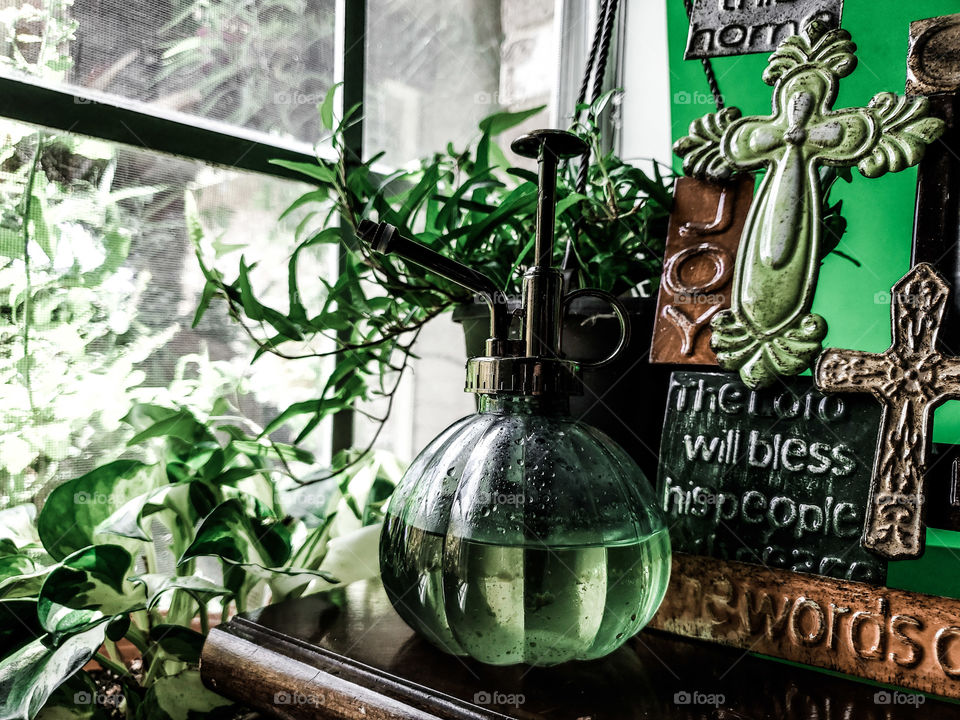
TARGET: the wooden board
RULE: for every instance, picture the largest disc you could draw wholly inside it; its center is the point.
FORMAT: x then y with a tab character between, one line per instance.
350	656
891	636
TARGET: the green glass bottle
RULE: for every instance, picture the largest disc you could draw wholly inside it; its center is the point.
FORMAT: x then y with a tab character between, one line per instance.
521	535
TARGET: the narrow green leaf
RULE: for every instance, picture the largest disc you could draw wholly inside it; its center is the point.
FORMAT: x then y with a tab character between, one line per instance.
498	122
316	171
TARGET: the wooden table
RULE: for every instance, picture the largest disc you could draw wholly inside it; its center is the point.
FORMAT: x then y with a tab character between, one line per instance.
349	655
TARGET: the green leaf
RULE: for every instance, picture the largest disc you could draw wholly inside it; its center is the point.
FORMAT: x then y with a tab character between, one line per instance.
30	675
206	297
93	579
496	123
316	171
26	584
254	541
326	107
251	306
179	424
201	589
279	450
181	642
181	697
73	510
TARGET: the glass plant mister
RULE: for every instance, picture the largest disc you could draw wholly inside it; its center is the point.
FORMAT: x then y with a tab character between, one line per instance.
521	535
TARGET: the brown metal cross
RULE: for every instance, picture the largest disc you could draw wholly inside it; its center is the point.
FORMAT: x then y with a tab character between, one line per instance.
911	378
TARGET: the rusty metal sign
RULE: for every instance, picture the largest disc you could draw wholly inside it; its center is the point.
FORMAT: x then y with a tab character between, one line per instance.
705	226
909	379
741	27
933	57
889	636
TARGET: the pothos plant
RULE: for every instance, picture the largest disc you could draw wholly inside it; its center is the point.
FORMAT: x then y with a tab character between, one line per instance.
117	558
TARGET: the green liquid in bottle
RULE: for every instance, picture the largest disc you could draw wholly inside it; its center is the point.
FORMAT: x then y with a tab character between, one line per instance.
535	604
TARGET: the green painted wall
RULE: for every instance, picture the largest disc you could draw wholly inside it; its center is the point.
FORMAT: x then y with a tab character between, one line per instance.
854	301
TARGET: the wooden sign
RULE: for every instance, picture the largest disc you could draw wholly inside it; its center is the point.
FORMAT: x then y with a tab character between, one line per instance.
702	238
909	379
890	636
776	477
740	27
769	330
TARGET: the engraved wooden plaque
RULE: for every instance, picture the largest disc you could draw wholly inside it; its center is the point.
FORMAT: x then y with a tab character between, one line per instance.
778	476
704	232
890	636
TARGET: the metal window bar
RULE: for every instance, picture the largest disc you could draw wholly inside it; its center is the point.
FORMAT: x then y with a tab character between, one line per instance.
109	117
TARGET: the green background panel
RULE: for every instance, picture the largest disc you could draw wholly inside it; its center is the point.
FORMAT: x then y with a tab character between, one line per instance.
854	300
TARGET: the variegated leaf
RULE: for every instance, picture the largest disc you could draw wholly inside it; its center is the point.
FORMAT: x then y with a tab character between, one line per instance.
30	675
90	585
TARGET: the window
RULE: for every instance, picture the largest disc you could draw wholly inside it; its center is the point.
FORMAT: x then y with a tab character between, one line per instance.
119	121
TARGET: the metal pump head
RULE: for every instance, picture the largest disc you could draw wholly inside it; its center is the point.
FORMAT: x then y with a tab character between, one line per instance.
535	365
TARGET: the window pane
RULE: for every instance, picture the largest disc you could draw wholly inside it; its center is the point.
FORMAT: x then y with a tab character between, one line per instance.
260	64
435	68
96	308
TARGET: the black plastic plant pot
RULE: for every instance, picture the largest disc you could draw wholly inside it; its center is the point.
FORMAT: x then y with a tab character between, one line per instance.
625	399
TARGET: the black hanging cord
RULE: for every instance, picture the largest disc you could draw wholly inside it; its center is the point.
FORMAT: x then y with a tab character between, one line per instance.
596	67
707	67
606	14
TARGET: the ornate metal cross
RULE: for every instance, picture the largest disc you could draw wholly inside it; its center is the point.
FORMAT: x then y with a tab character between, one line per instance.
769	329
910	379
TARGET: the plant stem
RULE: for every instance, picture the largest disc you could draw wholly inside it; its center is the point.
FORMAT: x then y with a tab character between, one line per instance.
109	664
27	310
138	638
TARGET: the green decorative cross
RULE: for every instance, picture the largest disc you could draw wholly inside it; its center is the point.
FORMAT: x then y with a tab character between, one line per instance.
769	330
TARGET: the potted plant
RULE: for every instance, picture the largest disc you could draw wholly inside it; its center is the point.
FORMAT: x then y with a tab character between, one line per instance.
472	205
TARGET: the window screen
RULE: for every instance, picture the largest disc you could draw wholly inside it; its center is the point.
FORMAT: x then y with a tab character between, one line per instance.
259	64
99	283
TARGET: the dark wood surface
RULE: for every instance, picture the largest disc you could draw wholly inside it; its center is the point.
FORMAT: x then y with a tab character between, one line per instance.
350	656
